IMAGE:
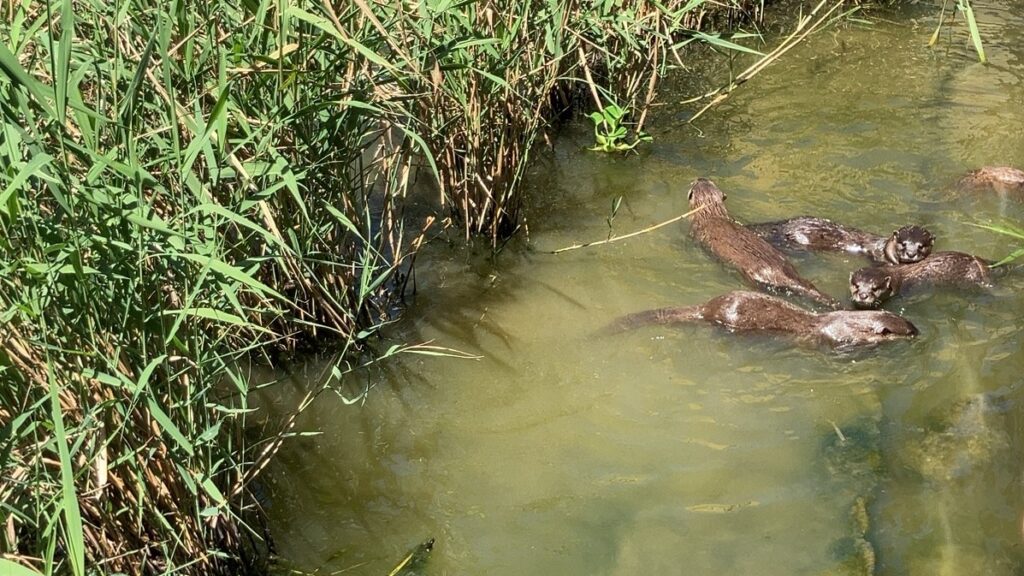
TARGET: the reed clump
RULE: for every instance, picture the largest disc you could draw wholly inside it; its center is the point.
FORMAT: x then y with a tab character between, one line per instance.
186	185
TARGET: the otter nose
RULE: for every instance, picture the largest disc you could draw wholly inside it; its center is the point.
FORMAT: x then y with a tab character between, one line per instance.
862	300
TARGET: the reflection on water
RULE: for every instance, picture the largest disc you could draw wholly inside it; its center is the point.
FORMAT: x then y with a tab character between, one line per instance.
690	450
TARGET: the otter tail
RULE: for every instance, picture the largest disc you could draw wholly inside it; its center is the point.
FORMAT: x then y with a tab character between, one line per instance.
655	316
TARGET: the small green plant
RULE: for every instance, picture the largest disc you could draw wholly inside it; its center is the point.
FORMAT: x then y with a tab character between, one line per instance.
611	216
611	134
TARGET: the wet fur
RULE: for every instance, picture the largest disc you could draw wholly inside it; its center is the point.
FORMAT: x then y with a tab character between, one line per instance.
870	287
905	245
760	263
744	311
1004	180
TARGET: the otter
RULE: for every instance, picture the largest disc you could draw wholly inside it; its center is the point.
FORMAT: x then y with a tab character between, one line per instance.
871	286
760	263
904	246
745	311
1004	180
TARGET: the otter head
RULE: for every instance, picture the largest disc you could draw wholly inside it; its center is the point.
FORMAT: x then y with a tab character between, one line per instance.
704	192
860	327
909	244
869	287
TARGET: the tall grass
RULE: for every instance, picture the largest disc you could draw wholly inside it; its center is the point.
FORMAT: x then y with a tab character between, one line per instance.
181	188
494	75
186	185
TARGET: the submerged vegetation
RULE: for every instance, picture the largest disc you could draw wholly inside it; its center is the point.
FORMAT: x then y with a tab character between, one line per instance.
187	185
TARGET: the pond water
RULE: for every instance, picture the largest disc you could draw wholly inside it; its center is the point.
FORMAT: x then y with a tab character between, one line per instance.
688	449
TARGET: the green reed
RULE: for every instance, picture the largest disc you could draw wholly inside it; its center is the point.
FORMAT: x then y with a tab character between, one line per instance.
964	6
187	185
1011	232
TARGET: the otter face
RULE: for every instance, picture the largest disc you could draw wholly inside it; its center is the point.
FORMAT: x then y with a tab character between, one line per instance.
868	327
909	244
869	287
704	191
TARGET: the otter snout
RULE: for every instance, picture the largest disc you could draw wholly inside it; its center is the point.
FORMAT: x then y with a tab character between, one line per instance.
863	297
911	252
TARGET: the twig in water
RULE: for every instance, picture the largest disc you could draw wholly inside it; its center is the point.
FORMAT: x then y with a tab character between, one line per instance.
842	437
799	33
630	235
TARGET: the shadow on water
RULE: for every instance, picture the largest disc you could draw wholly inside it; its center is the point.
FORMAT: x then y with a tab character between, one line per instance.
672	449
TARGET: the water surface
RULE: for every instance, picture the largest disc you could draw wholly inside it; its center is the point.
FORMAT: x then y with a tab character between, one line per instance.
691	450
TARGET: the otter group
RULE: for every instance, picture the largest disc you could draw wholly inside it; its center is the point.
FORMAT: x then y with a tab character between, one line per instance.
901	261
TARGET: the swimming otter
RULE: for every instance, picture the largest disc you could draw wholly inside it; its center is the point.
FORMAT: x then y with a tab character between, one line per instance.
760	263
905	245
1002	179
745	311
871	286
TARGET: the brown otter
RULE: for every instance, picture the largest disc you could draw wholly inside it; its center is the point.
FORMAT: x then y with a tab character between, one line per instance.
1002	179
871	286
745	311
905	245
760	263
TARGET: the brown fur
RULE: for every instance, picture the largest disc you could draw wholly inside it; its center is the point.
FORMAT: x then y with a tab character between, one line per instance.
905	245
870	287
744	311
760	263
1004	180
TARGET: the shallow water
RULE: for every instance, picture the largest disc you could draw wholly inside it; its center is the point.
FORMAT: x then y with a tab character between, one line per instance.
690	450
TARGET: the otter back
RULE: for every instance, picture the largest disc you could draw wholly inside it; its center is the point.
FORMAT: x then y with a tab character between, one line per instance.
811	233
744	311
907	244
760	263
871	286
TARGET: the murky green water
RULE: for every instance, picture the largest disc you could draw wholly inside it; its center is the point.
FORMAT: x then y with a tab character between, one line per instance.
689	450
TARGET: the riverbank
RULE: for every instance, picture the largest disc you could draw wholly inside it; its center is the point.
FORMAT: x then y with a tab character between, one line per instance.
189	186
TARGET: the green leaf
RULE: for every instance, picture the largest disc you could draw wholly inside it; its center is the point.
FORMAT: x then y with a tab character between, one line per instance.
217	316
168	426
27	171
69	498
61	76
231	272
965	7
9	568
1013	256
197	143
717	40
128	104
10	66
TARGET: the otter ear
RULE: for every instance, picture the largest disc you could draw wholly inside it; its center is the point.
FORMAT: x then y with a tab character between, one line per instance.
887	282
724	195
689	195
